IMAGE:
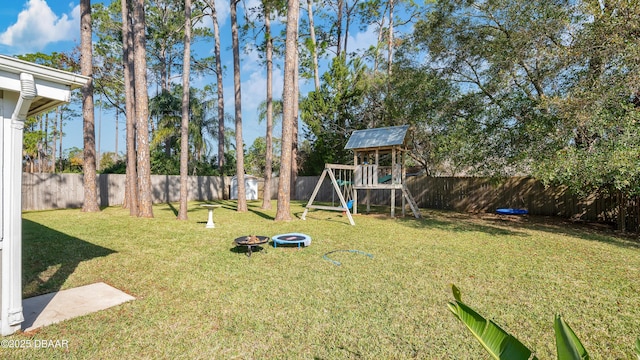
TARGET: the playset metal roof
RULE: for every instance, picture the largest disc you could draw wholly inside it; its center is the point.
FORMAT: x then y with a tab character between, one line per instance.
378	137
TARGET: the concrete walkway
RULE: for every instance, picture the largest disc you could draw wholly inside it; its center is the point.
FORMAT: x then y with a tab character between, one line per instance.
62	305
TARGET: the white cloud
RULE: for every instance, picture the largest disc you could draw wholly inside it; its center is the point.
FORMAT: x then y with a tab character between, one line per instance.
222	12
363	40
254	79
254	85
250	60
222	9
37	25
254	88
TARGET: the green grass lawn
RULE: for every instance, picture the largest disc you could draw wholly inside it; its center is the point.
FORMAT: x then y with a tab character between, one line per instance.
199	298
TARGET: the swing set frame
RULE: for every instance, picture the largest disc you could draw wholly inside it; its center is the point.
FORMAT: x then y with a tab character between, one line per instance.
329	170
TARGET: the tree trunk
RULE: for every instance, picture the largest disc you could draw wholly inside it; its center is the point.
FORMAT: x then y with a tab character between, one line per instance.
314	50
131	189
184	128
242	199
390	43
294	134
86	64
116	137
266	192
288	110
220	91
54	140
40	141
339	27
45	148
378	43
164	73
349	13
142	111
622	211
61	136
346	28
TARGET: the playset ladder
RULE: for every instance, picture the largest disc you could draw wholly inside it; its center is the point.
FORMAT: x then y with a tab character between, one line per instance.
412	203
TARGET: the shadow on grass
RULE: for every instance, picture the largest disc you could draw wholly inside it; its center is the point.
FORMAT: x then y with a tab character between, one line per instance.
458	223
252	206
225	204
256	209
49	257
513	225
322	215
245	250
581	230
172	208
326	215
436	219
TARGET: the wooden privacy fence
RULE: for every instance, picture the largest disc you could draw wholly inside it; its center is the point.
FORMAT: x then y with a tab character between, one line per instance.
41	191
463	194
487	195
472	194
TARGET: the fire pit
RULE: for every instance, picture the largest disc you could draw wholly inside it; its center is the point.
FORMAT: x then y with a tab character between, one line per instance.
250	241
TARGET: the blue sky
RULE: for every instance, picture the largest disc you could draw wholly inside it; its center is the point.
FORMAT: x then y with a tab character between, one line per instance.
28	26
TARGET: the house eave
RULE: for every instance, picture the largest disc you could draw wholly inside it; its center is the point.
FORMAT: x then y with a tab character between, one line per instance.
48	82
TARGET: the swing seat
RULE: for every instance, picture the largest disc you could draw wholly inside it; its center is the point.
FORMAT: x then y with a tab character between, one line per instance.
325	207
349	206
338	208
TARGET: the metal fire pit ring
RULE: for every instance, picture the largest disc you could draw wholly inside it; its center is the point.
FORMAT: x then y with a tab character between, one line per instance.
246	241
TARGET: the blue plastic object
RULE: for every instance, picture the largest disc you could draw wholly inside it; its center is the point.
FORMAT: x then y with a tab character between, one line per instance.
511	211
291	238
338	263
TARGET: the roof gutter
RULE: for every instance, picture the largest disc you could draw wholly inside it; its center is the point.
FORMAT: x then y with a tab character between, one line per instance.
15	65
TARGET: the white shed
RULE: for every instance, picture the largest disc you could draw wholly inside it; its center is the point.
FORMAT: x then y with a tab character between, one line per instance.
250	187
26	89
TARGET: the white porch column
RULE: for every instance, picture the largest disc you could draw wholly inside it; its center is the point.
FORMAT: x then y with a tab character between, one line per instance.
11	316
26	89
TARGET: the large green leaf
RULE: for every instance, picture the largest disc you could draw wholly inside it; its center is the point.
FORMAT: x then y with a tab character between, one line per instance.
568	345
638	348
499	343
